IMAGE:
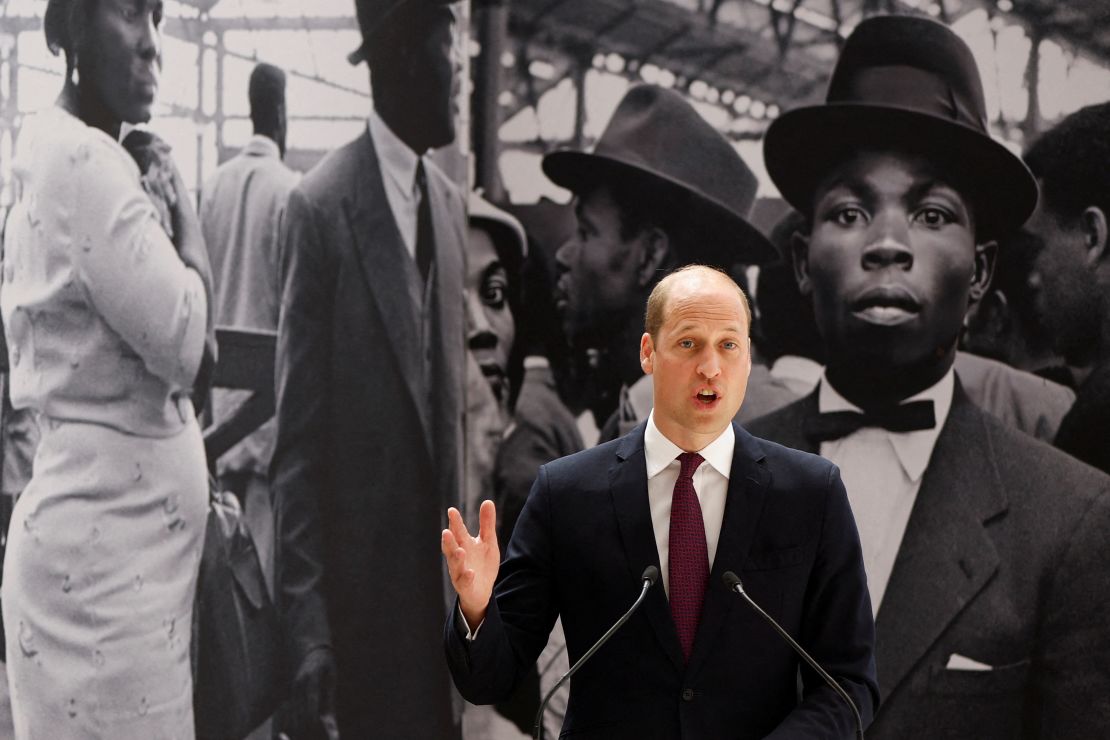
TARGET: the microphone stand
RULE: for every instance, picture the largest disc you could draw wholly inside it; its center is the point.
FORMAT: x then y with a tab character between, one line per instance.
649	577
733	582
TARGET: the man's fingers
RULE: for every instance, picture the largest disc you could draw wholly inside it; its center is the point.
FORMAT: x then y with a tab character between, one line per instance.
457	527
456	562
447	543
487	522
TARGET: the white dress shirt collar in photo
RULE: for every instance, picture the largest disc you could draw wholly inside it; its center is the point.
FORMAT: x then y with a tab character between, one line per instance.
799	374
882	471
398	164
710	485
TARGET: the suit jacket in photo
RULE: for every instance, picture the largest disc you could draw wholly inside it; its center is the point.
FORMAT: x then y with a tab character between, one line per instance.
1005	564
581	543
369	404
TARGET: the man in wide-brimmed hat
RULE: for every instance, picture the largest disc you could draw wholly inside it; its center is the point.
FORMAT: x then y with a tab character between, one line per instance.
661	189
986	550
370	373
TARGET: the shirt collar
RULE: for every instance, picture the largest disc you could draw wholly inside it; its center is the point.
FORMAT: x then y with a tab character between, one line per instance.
661	452
397	160
262	146
913	448
796	366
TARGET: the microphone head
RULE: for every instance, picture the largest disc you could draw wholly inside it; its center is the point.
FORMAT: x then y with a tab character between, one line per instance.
731	580
651	575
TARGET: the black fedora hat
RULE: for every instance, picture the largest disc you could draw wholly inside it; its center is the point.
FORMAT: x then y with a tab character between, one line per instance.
373	16
654	133
911	83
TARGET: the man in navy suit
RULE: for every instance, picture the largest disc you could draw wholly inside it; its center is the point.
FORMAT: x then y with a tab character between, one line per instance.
987	552
695	495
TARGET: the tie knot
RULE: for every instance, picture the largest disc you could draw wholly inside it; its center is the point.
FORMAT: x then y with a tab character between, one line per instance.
689	462
421	176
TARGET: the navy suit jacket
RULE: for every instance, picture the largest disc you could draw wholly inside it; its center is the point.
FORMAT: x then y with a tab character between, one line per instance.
1005	561
578	550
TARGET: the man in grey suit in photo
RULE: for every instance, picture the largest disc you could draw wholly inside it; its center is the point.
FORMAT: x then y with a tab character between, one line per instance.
986	551
370	361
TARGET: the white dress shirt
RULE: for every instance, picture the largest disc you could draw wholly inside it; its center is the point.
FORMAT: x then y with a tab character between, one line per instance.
882	472
710	485
799	374
398	163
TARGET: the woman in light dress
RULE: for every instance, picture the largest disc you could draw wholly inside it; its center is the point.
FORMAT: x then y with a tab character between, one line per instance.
107	325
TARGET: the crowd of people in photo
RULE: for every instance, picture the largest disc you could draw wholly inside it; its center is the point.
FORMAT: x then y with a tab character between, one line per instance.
929	312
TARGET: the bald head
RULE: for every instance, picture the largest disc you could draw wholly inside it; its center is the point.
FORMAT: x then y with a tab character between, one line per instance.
689	280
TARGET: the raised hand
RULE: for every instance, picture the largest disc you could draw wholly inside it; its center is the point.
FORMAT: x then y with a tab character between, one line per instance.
472	562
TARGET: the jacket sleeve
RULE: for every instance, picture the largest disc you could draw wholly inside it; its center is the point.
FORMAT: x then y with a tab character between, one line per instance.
298	470
838	630
521	613
131	271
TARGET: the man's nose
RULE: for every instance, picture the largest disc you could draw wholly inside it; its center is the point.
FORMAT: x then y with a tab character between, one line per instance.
888	243
565	254
709	366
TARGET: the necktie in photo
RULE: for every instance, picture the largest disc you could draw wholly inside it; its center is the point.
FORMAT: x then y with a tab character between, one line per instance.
907	417
425	240
688	556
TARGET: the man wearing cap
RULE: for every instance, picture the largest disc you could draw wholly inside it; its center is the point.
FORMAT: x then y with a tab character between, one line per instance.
986	550
370	373
661	188
692	495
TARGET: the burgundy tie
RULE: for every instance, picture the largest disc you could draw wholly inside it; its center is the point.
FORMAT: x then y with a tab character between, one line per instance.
688	555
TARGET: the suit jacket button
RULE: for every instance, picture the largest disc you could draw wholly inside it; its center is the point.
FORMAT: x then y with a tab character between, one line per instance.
687	695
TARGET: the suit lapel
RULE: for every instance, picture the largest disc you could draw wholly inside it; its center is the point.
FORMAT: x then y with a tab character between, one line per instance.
628	486
747	489
787	425
382	255
448	307
946	556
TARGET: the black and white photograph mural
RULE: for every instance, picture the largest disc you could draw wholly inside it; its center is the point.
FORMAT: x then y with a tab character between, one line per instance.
749	360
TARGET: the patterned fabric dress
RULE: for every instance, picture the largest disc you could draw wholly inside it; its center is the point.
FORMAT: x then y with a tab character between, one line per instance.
105	328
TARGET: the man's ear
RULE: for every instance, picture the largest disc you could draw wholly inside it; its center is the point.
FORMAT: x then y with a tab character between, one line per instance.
799	249
982	270
656	253
991	317
1094	235
647	354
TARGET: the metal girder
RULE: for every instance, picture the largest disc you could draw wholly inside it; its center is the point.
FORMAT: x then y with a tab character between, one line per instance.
783	36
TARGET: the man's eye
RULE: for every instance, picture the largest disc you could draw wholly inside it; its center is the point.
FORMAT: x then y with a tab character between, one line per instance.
933	216
686	343
848	216
730	345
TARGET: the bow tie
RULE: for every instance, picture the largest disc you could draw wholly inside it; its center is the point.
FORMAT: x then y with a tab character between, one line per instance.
907	417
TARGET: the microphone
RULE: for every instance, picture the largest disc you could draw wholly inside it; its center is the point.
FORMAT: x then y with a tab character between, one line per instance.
732	581
648	579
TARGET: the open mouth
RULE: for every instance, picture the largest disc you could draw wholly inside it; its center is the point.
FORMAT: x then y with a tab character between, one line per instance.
706	397
495	376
